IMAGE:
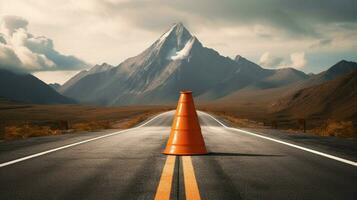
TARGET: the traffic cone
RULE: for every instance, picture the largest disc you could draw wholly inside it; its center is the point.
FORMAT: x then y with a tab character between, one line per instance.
185	137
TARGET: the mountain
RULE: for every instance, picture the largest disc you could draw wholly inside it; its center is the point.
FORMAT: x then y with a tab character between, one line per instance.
341	68
96	69
269	85
284	82
176	61
335	98
29	89
272	78
282	77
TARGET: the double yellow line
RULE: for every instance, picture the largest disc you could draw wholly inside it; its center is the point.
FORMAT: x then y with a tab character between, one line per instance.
191	188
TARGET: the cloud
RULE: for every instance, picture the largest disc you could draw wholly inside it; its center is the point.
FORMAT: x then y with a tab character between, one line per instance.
292	17
11	23
8	59
22	51
321	43
124	28
268	60
296	60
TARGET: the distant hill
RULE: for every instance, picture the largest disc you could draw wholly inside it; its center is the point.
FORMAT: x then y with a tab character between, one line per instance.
341	68
336	98
286	81
281	77
29	89
259	103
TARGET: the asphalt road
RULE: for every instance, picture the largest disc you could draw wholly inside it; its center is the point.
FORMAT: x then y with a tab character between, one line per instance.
129	164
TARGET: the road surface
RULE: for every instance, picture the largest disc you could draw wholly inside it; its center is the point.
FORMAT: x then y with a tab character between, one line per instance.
128	165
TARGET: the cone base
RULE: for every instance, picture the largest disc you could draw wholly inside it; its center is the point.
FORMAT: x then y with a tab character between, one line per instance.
174	150
185	154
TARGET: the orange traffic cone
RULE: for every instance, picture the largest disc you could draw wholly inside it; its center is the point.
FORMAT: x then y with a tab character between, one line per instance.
185	137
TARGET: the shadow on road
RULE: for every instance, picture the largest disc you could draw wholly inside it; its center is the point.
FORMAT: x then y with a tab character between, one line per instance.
240	154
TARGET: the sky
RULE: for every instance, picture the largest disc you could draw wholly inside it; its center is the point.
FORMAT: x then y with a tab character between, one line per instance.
55	39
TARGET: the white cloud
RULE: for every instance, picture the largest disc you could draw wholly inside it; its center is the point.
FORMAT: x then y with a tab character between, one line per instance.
22	51
295	60
11	23
268	60
298	60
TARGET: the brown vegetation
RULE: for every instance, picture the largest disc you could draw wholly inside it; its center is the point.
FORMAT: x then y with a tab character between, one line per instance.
25	131
22	121
236	121
329	127
336	128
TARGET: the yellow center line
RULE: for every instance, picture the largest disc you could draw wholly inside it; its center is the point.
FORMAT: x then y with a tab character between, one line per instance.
164	189
191	187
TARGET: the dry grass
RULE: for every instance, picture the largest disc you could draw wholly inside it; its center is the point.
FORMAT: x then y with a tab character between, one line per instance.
237	121
251	111
25	131
129	123
23	121
91	126
336	128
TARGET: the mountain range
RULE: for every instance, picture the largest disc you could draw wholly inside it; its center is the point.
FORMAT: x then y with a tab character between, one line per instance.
178	61
269	95
175	61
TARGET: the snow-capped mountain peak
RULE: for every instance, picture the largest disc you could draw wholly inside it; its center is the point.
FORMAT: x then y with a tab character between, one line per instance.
175	44
176	36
